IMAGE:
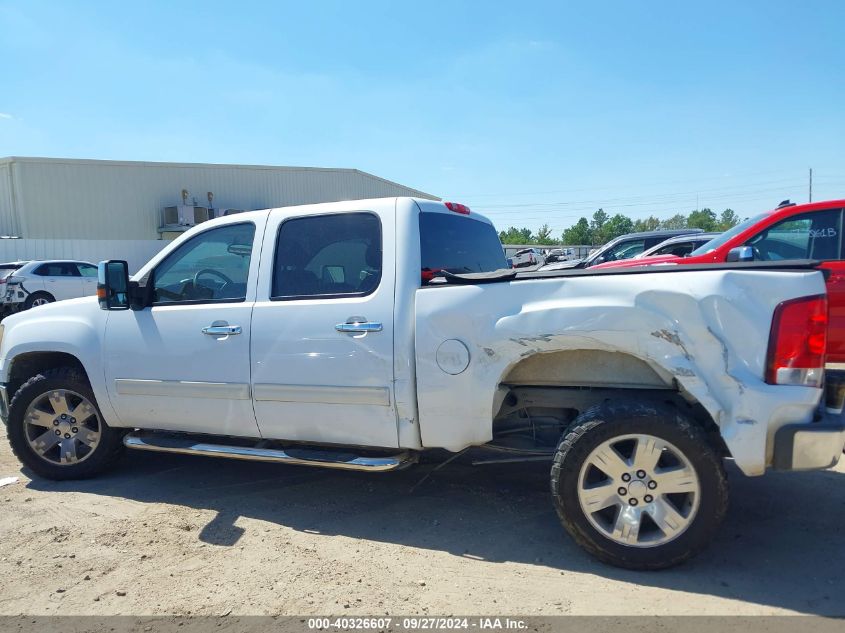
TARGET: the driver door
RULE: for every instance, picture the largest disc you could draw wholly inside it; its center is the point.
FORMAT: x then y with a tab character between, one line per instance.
182	364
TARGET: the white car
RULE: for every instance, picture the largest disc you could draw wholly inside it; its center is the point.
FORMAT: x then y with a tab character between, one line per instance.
40	282
528	257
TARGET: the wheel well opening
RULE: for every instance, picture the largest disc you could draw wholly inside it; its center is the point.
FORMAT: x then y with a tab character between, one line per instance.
28	365
544	413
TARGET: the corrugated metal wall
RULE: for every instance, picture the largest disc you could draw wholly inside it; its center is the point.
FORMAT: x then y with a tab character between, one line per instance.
8	216
135	252
81	199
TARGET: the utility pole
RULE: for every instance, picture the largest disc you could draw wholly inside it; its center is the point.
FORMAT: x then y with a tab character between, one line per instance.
811	184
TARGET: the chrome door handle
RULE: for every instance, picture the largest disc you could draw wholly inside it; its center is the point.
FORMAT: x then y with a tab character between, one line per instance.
222	330
359	327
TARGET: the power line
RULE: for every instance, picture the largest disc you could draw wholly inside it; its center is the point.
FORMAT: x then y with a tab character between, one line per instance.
655	197
470	196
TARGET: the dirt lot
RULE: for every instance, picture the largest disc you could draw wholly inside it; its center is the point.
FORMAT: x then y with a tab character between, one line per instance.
180	535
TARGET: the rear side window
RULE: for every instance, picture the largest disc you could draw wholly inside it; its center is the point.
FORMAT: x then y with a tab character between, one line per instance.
86	270
814	235
458	244
681	249
328	256
57	269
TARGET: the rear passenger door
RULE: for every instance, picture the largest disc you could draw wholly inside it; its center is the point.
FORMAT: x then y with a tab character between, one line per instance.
322	329
61	279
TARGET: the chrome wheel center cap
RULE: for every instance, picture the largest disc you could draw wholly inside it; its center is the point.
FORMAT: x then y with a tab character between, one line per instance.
637	488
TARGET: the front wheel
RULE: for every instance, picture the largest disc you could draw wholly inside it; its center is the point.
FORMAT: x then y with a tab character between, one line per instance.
56	429
638	486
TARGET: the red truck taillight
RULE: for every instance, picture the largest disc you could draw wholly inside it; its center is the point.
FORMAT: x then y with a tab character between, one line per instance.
798	342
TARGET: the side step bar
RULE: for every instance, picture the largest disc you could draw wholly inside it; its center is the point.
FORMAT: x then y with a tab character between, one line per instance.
184	444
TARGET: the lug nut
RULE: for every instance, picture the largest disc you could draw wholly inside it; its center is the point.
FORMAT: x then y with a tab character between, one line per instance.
67	436
75	430
622	492
633	502
64	416
648	499
55	423
652	485
58	432
626	477
73	420
641	474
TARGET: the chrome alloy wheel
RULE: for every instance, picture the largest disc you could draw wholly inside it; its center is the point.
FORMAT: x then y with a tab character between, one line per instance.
639	490
40	301
62	427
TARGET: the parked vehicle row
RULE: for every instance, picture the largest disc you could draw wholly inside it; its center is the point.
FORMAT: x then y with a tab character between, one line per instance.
358	335
623	247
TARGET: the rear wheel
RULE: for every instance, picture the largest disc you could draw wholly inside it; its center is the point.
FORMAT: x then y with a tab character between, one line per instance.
56	429
638	486
38	299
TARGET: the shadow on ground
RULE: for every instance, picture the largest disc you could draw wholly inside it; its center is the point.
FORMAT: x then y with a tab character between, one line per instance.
783	544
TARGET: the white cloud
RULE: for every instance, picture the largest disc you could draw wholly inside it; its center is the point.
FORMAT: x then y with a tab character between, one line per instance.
5	115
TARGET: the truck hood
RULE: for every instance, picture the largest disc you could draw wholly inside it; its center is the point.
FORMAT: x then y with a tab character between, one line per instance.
58	310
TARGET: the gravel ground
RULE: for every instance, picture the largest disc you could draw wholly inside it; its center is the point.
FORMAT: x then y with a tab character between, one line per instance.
166	534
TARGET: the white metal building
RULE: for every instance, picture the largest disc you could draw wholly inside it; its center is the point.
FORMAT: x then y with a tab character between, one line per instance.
99	209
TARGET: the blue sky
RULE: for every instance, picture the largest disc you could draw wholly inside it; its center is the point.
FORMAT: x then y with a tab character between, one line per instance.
529	112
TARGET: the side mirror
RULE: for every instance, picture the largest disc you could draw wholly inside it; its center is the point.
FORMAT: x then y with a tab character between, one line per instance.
741	254
113	285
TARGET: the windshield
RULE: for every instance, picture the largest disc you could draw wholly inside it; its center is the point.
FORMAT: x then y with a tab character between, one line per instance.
728	235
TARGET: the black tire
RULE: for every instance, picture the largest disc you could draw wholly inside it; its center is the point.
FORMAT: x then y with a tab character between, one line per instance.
602	423
35	296
101	457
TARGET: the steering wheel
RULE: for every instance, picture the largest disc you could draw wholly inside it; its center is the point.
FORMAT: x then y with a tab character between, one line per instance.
214	273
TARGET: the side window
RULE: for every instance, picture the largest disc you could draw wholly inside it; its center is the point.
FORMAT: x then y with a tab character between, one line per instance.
327	256
57	269
626	250
211	266
681	249
814	235
86	270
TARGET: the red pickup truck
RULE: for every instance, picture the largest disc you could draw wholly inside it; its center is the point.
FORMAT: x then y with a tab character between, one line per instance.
790	231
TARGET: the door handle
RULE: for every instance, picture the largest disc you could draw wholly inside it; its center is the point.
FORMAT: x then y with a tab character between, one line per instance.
222	330
359	327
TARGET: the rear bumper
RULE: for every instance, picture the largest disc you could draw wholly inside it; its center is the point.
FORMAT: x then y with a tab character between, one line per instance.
812	446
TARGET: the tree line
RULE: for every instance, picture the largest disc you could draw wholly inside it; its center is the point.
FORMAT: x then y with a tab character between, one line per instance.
603	227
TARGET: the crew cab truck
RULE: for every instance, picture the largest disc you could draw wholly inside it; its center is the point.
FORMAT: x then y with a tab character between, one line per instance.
356	335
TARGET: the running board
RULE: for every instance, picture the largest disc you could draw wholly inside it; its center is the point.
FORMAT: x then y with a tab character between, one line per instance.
323	458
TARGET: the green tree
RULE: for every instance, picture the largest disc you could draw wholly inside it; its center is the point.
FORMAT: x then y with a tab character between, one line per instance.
618	225
516	236
544	235
677	221
650	223
727	220
597	226
578	233
702	219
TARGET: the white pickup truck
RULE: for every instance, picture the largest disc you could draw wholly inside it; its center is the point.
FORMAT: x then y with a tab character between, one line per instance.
358	334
